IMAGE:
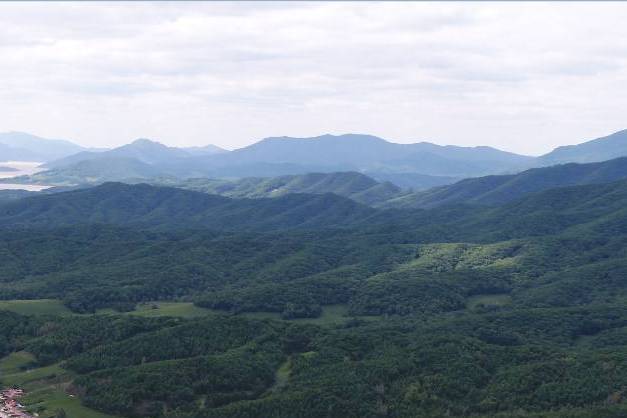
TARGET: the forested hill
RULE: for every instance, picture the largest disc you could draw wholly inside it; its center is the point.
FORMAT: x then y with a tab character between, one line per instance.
595	207
489	190
514	311
356	186
495	190
144	205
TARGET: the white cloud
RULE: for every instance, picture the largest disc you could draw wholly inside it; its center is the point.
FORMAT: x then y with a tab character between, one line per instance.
519	76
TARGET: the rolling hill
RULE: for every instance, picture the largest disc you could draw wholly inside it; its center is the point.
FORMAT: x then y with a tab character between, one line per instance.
121	204
549	211
521	303
494	190
355	186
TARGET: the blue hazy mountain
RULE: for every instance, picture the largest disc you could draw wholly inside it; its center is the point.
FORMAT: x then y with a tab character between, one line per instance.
205	150
372	154
20	146
600	149
418	166
143	150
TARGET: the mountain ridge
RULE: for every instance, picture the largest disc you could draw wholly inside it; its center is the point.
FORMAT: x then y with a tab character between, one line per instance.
146	205
595	150
353	185
27	147
494	190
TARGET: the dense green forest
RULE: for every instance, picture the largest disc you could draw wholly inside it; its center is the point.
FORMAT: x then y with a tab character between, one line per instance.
515	310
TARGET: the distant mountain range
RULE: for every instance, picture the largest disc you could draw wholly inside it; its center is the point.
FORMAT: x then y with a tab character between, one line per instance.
418	166
372	154
142	150
19	146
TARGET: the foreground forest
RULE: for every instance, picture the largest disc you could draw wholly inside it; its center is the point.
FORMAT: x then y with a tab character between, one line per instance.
317	305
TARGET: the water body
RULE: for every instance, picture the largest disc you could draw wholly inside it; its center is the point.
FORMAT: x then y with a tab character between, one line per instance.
24	168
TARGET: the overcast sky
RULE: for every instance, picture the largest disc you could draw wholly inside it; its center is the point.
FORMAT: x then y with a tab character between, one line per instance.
524	77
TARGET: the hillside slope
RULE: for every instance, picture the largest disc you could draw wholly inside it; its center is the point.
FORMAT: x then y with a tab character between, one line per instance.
355	186
494	190
121	204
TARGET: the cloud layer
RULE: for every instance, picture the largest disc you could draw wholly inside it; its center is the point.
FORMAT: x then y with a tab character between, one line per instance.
524	77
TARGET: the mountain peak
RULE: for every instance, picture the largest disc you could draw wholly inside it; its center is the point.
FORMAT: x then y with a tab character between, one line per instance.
146	141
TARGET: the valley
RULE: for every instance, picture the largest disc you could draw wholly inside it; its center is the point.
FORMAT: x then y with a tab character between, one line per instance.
315	294
313	209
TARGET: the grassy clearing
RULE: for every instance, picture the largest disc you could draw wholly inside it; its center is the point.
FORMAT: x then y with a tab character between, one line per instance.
32	377
47	400
331	315
488	300
154	309
282	375
15	363
35	307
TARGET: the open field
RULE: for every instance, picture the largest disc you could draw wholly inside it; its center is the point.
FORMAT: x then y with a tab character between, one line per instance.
176	309
35	307
47	400
331	314
15	363
25	379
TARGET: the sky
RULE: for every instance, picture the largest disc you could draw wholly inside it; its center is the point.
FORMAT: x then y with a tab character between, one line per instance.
523	77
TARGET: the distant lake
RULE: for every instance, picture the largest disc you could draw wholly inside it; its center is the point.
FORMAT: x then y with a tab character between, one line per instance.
24	168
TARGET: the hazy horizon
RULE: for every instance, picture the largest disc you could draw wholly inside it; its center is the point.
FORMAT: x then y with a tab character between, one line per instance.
391	140
520	77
